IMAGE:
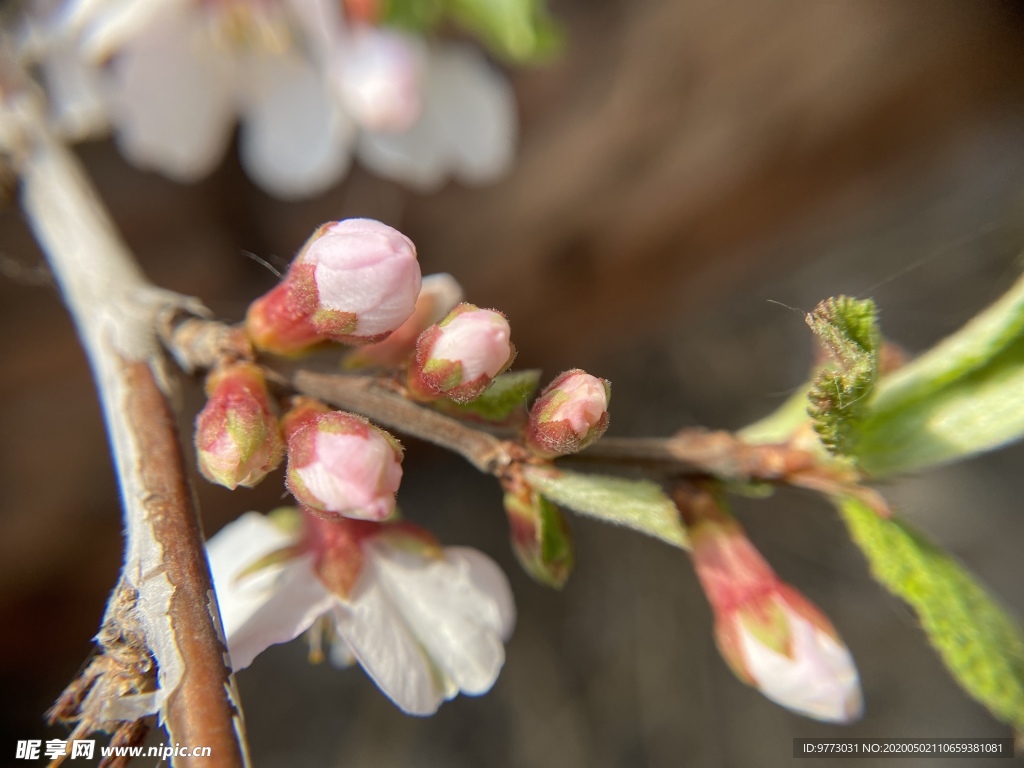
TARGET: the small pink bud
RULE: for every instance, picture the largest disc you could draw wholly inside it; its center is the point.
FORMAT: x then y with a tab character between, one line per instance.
460	356
772	636
237	436
381	78
570	414
438	296
354	281
339	463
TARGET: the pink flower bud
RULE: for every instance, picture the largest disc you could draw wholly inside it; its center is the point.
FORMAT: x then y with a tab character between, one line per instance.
339	463
570	414
438	295
237	436
460	356
381	77
354	281
770	634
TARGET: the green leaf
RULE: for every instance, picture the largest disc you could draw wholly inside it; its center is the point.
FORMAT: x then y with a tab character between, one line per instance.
964	396
637	504
840	391
516	30
978	641
502	402
519	30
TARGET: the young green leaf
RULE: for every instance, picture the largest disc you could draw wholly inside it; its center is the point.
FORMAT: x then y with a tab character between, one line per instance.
840	391
502	403
964	396
637	504
517	30
979	643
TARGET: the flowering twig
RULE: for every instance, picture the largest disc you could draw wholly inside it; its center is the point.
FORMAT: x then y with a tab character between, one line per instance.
165	601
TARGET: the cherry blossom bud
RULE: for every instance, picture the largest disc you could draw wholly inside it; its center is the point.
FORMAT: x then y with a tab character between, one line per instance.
354	281
438	296
381	78
460	356
339	463
772	636
540	536
238	440
570	414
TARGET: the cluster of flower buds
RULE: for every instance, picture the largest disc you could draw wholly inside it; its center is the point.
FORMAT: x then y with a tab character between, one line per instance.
459	357
772	637
354	281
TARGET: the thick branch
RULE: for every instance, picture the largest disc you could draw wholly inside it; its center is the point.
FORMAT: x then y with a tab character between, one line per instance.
114	309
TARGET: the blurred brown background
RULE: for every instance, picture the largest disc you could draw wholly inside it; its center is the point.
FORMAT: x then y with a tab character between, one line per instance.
687	171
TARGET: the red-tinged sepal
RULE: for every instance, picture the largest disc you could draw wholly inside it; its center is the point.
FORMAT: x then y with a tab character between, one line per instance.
459	357
570	414
238	440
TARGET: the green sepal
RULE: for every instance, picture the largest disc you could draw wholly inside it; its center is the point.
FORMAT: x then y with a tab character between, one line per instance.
980	644
840	391
503	403
637	504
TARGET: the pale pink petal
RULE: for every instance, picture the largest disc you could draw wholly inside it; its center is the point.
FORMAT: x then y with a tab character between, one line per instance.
820	680
173	106
295	141
387	649
272	605
449	604
417	157
477	113
106	25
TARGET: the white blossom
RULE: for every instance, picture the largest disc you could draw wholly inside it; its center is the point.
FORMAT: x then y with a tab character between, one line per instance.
425	623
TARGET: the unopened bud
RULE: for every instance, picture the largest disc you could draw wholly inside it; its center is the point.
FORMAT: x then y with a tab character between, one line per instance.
772	636
237	436
381	78
354	281
570	414
460	356
438	296
339	463
540	536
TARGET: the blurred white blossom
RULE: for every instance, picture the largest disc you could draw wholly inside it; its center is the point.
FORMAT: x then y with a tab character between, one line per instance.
424	622
308	87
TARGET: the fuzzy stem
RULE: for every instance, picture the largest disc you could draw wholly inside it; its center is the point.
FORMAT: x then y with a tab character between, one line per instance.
115	309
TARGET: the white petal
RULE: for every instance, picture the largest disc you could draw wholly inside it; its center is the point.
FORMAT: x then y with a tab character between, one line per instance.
75	95
467	127
173	104
458	606
477	110
322	25
820	680
273	605
417	157
295	141
386	649
108	24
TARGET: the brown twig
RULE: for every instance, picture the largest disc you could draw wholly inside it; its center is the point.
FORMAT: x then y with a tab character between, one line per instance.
172	614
